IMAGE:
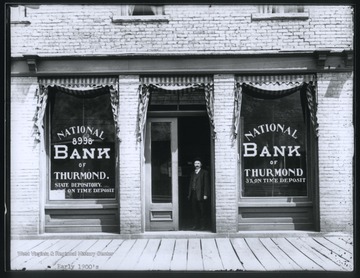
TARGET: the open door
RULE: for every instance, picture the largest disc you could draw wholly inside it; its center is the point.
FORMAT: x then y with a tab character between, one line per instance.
194	140
161	175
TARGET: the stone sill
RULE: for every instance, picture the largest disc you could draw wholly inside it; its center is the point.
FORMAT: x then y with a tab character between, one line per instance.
25	22
141	19
88	206
280	16
298	203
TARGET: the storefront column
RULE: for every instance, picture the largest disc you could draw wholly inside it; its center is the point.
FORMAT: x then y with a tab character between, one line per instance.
225	155
26	189
129	157
336	149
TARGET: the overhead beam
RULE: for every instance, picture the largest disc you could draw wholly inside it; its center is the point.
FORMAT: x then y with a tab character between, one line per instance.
168	64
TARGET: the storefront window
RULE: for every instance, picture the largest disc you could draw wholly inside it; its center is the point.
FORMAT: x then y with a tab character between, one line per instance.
82	145
161	190
274	146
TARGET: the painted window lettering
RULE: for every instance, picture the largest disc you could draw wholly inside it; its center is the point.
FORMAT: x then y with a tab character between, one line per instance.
251	150
62	152
268	172
73	130
82	146
274	148
264	128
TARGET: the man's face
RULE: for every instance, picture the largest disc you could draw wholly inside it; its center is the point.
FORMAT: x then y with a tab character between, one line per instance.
197	164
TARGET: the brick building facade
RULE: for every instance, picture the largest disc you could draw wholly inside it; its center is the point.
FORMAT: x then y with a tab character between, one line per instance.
154	62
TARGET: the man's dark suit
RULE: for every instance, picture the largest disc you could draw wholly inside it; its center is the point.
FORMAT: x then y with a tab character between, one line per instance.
198	188
202	188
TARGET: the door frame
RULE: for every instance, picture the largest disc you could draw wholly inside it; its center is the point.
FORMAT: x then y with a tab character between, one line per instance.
157	215
175	114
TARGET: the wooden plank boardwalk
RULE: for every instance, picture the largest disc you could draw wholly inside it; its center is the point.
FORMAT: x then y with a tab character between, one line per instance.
330	253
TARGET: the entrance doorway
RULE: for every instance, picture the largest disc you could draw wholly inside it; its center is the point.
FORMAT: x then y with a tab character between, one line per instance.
170	148
194	141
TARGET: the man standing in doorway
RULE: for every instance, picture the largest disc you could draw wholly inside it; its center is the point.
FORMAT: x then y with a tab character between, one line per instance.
198	194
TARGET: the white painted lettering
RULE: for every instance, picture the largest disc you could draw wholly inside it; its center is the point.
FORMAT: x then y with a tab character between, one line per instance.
61	152
250	149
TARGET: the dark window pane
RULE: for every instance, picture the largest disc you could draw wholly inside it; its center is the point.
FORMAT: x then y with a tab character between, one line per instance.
273	147
191	97
82	147
142	10
163	108
164	98
192	107
161	184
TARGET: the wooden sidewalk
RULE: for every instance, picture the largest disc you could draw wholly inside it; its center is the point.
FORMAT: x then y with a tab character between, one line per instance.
328	253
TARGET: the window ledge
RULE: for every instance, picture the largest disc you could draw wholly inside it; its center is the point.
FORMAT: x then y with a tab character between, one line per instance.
70	206
294	203
133	19
25	22
280	16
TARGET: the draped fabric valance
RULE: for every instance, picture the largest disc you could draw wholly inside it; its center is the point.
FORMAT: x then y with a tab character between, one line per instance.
275	82
176	81
81	82
82	87
84	92
272	87
160	84
268	94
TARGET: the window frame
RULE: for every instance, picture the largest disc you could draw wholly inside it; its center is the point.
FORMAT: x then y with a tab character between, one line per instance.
264	14
93	203
280	201
124	15
18	15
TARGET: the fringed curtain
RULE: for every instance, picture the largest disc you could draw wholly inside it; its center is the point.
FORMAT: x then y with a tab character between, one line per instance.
84	87
209	99
237	108
272	87
126	10
158	9
42	96
174	83
312	105
144	97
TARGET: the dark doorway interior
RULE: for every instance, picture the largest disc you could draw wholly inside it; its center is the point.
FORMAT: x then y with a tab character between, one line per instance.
194	141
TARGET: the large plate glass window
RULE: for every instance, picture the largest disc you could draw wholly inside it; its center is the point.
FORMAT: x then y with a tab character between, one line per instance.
274	147
275	142
82	145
